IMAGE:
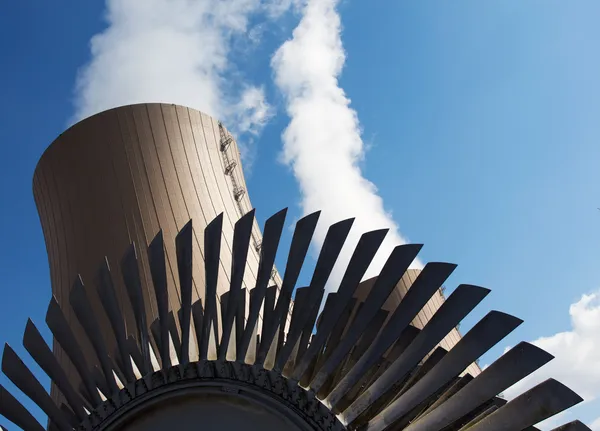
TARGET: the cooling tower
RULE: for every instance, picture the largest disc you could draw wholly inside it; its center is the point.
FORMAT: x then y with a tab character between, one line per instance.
118	178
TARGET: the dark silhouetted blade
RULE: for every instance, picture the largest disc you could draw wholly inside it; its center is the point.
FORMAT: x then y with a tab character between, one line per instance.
486	412
452	311
484	335
309	323
14	368
572	426
368	337
14	411
268	250
432	360
460	383
69	414
520	361
537	404
240	318
269	316
156	256
269	304
38	349
320	356
183	246
174	334
61	330
391	273
332	246
133	283
359	262
223	302
108	297
198	318
381	365
303	233
241	242
426	284
86	316
342	323
301	307
134	352
212	250
255	339
428	281
332	343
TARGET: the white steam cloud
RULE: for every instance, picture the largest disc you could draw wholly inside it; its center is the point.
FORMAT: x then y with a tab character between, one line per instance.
172	51
577	356
322	142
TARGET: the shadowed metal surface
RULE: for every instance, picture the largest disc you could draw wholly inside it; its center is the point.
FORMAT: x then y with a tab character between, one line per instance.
359	262
458	305
485	334
537	404
133	283
85	315
391	273
517	363
303	233
368	364
14	368
332	246
270	242
183	247
14	411
212	250
109	301
156	257
41	353
62	333
241	243
430	279
572	426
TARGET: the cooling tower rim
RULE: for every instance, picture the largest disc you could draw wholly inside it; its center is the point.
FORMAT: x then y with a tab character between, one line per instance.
56	141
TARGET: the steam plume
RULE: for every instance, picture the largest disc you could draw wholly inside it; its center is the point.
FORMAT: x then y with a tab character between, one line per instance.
322	142
172	51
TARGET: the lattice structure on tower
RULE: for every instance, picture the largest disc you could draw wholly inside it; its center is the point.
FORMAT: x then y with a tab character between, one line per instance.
225	145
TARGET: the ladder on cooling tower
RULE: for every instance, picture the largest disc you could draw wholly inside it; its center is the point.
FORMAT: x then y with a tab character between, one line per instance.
238	192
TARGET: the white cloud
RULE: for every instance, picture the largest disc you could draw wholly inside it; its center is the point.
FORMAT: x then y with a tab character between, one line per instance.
577	353
247	119
276	8
595	426
322	142
255	34
173	51
252	110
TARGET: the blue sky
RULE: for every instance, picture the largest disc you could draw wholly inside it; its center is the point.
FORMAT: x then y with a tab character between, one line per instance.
480	119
